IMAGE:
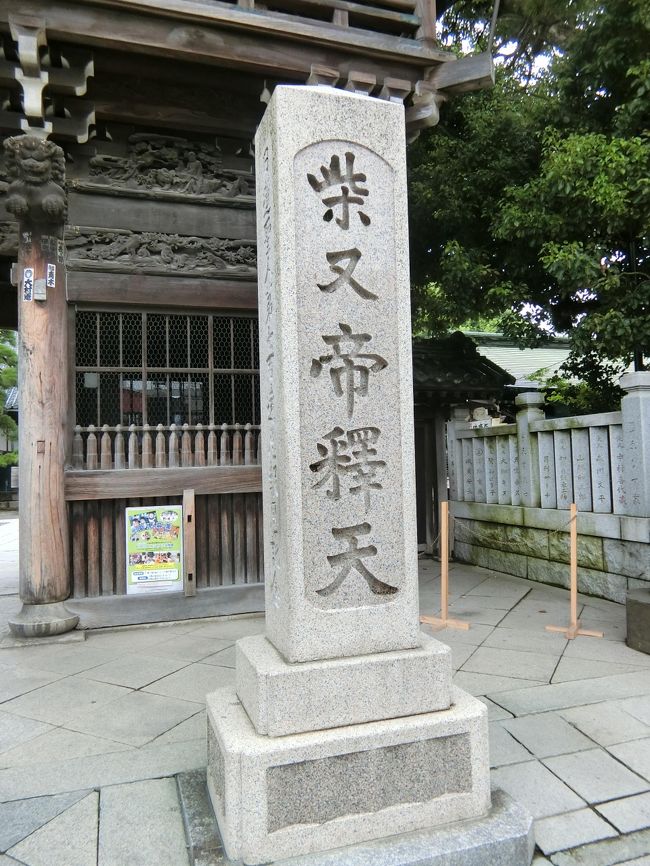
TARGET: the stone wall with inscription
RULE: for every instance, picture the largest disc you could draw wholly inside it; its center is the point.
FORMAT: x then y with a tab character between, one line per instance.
600	462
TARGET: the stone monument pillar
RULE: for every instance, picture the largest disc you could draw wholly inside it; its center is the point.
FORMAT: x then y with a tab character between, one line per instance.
343	726
37	199
635	409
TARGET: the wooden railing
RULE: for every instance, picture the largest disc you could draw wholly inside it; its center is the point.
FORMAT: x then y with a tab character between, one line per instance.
173	447
410	18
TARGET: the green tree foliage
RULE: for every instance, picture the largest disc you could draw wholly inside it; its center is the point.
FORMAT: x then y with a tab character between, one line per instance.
8	378
532	202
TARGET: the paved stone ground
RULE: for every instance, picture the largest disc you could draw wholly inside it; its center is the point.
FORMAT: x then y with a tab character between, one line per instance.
99	736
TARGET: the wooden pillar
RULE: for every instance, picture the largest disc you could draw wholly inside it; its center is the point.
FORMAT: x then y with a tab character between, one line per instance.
37	199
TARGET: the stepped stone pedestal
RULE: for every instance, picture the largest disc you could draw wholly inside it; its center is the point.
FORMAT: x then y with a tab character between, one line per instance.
344	732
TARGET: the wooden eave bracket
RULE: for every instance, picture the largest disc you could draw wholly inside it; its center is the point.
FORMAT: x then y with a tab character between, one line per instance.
473	72
34	77
454	77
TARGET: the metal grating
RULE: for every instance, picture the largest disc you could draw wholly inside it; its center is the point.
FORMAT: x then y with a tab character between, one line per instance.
164	368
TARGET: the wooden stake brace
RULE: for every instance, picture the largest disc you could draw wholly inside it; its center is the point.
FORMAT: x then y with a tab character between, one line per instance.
443	621
573	629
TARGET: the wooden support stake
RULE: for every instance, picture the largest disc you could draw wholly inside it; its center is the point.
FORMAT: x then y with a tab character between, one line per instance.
443	620
573	629
189	543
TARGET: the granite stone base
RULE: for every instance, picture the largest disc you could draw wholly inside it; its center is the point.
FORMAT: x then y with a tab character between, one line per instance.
504	837
637	611
282	698
280	797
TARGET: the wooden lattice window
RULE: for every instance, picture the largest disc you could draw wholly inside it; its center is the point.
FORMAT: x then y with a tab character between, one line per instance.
165	368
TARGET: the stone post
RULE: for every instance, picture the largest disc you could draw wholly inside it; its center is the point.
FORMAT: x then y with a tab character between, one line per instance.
530	404
635	409
37	199
343	725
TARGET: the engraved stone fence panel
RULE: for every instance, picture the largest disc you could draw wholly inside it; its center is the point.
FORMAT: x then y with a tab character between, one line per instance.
580	459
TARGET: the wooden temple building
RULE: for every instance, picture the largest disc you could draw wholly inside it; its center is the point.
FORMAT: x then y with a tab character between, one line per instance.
128	264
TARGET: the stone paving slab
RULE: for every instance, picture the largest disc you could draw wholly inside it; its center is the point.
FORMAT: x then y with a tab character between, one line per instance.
186	647
523	640
193	683
547	734
476	609
570	830
131	639
58	658
606	853
596	776
21	818
606	723
63	701
538	667
15	730
495	712
489	684
504	749
14	683
639	708
536	788
134	671
232	629
570	669
475	635
59	744
194	728
628	814
460	653
223	658
635	754
135	718
99	770
563	695
611	651
70	839
638	861
126	810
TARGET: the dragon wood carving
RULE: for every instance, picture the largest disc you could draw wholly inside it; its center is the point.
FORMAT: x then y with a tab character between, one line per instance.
158	253
163	165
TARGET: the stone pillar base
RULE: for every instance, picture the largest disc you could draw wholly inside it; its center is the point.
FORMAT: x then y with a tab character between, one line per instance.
42	620
503	836
296	795
637	610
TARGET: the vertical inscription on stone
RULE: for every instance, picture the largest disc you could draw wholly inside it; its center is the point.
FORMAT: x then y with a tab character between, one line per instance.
617	452
563	473
478	459
514	464
504	470
346	298
491	479
600	475
547	470
268	323
581	469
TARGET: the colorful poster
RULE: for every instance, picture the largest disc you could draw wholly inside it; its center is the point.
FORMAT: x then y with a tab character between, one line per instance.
154	549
